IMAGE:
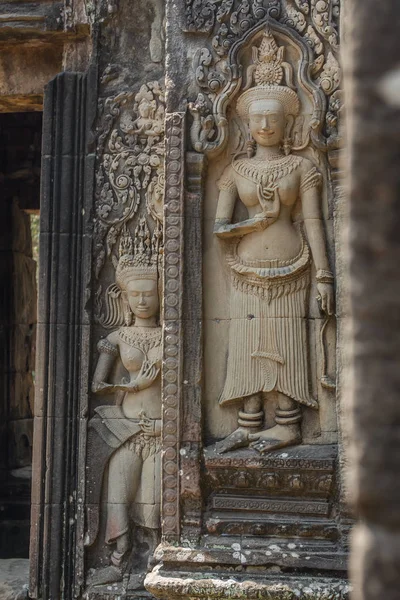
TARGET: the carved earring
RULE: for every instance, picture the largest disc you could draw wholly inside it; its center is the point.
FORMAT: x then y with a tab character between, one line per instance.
250	145
287	145
128	316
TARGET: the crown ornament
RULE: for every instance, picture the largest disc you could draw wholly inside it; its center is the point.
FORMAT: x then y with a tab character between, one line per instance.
138	258
268	71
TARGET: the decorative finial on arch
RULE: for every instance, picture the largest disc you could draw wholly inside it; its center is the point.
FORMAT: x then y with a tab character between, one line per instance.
268	66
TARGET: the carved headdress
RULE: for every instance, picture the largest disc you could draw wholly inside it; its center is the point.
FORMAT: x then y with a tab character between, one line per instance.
138	258
268	71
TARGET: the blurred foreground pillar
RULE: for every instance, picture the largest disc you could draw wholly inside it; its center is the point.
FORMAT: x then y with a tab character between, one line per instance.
372	84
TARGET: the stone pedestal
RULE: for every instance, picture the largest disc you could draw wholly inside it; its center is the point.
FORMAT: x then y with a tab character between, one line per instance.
286	494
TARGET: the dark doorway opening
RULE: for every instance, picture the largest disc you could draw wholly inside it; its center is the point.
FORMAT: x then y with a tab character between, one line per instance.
20	158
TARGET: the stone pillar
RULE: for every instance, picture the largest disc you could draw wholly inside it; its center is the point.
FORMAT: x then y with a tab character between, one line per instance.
373	121
63	337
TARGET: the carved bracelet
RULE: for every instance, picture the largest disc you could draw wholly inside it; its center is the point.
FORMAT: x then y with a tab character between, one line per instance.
324	276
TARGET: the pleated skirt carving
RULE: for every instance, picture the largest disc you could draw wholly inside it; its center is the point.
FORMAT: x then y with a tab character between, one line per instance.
268	345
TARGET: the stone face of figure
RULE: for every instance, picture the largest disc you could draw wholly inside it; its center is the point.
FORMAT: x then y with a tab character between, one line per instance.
269	259
144	109
267	122
142	297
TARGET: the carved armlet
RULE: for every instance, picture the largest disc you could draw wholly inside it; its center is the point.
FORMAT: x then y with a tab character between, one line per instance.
106	347
226	184
312	178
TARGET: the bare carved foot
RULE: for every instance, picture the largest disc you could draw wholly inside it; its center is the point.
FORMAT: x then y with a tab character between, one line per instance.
110	574
276	437
237	439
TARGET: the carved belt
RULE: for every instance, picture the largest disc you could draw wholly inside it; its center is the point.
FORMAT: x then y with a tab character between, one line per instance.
275	271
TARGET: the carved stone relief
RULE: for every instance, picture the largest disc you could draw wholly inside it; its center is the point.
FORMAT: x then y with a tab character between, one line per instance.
267	117
209	429
127	432
172	330
130	172
124	438
218	77
232	17
269	257
269	114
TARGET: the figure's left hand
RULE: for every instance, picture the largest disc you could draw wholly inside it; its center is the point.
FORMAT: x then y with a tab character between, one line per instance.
326	298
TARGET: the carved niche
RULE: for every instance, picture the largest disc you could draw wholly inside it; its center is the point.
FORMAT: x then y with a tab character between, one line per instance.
123	491
267	115
218	72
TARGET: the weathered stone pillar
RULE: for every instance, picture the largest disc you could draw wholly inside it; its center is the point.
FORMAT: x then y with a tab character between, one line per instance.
63	337
372	62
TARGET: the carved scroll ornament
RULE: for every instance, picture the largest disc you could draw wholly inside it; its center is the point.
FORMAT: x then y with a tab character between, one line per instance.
130	170
218	72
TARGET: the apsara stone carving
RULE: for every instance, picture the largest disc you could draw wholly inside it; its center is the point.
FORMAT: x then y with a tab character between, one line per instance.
125	435
269	258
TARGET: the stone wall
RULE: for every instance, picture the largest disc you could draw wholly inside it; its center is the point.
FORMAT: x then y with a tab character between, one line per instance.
189	377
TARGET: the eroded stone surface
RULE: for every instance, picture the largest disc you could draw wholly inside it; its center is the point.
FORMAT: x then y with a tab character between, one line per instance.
14	575
172	586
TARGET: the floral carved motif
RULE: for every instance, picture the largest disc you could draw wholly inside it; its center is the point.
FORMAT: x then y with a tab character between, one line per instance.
172	331
130	169
230	17
324	13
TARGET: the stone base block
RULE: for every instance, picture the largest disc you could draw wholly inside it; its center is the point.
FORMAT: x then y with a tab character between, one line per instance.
116	590
254	554
286	493
269	586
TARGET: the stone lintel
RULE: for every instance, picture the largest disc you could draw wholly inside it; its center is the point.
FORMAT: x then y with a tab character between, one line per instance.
41	21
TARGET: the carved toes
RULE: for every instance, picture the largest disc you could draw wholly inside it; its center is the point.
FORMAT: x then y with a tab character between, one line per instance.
237	439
